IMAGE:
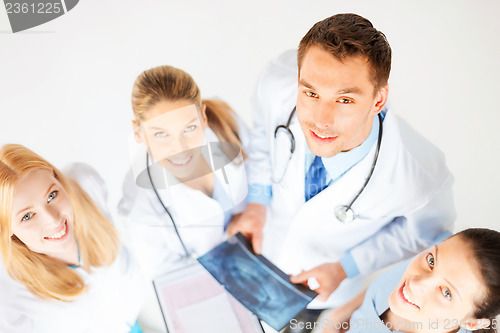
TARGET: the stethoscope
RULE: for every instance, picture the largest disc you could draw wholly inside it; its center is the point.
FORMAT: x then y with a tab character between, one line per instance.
343	213
189	256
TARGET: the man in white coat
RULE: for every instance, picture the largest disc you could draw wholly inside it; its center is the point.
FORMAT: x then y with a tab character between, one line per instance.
351	156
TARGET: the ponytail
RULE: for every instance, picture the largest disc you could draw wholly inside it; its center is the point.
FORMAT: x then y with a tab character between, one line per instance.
221	119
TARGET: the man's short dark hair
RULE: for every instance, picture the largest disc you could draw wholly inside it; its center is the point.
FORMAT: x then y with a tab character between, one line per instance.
348	35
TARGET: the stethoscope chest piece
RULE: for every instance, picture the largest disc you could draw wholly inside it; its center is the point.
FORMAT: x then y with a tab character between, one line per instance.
344	214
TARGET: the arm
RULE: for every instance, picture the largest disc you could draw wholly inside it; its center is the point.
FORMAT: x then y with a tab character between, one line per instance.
12	318
12	322
251	221
275	89
399	239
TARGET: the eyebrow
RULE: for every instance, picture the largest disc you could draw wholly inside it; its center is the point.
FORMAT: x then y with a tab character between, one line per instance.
351	90
29	207
447	281
189	122
156	128
162	129
306	84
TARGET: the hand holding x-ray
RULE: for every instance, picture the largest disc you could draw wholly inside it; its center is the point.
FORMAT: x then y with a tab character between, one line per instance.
328	276
250	223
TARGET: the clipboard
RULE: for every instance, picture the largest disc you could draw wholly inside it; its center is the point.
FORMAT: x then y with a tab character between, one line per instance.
192	301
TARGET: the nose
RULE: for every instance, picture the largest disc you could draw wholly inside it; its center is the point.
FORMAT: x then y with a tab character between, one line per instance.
421	284
53	216
178	146
324	115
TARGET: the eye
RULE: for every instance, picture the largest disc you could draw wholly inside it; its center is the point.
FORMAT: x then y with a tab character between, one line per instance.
190	128
430	260
345	101
160	134
446	293
311	94
27	216
51	196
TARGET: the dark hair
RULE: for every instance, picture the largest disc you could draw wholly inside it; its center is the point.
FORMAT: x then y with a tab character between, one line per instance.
348	35
485	247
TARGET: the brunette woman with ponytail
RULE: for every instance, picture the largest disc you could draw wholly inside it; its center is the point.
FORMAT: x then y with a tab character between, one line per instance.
452	287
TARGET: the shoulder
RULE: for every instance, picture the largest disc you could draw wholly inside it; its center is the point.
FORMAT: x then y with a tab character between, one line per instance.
17	305
423	152
279	75
366	317
413	160
389	279
9	289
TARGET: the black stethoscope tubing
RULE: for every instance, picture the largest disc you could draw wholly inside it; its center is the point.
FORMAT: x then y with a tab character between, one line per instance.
165	208
375	158
347	208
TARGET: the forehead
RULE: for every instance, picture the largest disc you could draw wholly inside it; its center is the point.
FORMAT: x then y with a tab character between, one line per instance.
456	262
168	114
323	69
32	186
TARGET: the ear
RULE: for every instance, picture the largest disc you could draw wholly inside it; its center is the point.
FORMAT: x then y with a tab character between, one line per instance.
476	324
381	98
137	132
204	119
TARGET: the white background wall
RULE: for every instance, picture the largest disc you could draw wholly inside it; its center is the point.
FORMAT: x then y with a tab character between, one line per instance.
65	86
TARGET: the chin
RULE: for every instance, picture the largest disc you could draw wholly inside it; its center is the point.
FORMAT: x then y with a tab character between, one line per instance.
323	151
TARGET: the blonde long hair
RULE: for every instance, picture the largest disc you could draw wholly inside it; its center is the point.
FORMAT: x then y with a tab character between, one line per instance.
167	83
42	275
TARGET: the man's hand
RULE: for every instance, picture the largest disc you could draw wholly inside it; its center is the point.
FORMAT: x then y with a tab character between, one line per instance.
250	223
328	275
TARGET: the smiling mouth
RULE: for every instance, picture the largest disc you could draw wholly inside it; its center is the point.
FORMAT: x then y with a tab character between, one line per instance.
180	162
61	234
405	296
322	138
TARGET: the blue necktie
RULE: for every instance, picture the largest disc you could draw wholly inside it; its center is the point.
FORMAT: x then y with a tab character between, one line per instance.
315	179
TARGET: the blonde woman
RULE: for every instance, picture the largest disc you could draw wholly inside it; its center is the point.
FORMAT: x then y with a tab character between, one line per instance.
63	267
188	177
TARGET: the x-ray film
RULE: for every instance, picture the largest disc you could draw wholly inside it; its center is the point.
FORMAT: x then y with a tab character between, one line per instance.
254	281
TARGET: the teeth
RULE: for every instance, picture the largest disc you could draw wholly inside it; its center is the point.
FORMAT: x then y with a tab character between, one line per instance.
321	136
181	162
407	296
59	234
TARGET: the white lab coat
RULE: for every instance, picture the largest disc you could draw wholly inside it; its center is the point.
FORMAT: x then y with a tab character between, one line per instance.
407	202
199	218
111	304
